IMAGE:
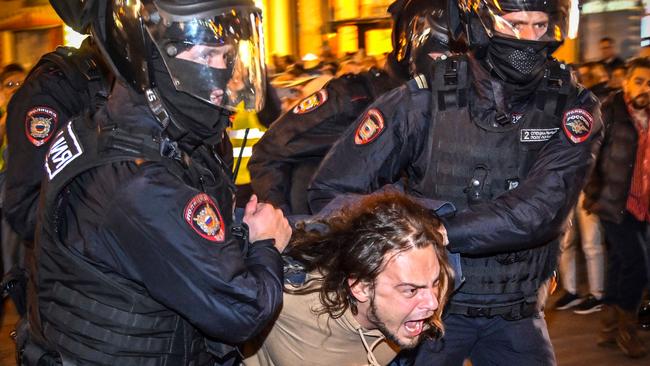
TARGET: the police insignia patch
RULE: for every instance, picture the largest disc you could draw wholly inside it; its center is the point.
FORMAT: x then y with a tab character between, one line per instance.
577	125
202	214
311	102
370	127
40	124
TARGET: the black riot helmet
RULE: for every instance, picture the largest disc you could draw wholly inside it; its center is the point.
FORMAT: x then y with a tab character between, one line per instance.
419	29
76	14
212	50
486	19
515	38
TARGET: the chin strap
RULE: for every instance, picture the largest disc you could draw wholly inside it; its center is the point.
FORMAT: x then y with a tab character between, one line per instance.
172	128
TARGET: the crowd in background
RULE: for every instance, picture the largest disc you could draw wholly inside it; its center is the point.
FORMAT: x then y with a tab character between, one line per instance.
296	79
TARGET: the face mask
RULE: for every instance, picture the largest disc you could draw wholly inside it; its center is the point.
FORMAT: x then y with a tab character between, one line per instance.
517	61
203	119
215	81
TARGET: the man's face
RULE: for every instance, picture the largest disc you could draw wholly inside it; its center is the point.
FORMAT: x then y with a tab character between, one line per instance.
220	58
637	88
583	75
606	49
527	25
405	296
11	83
617	79
215	57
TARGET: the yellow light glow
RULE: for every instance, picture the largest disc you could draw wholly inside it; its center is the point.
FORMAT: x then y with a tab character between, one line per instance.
72	38
278	18
346	9
348	39
310	57
244	52
574	20
378	42
567	52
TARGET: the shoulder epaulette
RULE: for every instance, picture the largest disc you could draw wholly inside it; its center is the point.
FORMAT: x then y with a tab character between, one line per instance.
419	82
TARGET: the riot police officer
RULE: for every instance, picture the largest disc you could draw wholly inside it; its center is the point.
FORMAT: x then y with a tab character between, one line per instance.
504	134
137	259
63	84
288	154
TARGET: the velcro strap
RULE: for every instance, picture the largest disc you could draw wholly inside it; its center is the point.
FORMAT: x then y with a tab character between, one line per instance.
116	316
516	311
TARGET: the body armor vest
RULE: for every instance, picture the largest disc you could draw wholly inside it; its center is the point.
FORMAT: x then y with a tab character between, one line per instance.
93	317
476	152
84	70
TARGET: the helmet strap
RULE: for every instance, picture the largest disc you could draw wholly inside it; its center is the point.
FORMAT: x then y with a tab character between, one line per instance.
174	130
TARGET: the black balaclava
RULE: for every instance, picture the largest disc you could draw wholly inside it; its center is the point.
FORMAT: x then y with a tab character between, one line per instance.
517	61
203	121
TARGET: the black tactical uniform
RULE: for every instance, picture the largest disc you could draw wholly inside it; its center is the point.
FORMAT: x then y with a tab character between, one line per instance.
512	163
63	84
137	260
286	157
155	264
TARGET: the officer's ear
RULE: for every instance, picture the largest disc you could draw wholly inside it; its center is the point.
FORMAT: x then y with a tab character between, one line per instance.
361	290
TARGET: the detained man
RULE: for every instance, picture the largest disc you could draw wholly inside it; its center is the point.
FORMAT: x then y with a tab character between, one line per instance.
377	279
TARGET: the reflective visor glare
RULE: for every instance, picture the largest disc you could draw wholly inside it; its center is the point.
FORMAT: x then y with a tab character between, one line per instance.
218	60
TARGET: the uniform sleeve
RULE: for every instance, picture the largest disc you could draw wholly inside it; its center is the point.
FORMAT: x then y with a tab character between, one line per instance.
534	212
272	106
40	108
372	152
166	238
297	136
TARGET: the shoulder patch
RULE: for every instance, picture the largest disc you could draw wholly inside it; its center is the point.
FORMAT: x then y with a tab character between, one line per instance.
203	216
40	124
64	149
311	102
370	127
577	124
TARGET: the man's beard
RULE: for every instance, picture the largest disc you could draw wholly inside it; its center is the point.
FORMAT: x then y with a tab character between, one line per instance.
429	330
641	101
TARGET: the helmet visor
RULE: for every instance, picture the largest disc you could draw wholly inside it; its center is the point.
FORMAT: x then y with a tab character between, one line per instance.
532	20
216	57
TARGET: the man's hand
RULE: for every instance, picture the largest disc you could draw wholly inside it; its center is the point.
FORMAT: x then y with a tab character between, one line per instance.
266	222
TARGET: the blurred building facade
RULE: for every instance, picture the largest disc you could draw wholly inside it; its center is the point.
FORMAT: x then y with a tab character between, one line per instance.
625	21
28	28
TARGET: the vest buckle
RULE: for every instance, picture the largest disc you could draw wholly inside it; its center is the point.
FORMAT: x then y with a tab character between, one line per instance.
451	73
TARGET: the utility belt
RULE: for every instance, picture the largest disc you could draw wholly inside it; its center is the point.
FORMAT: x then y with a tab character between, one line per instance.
518	311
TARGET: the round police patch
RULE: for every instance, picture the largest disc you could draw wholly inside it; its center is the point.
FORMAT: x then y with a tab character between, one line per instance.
40	124
577	124
204	217
370	127
311	102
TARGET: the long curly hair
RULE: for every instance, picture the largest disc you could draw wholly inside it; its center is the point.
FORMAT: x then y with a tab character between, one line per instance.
356	244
